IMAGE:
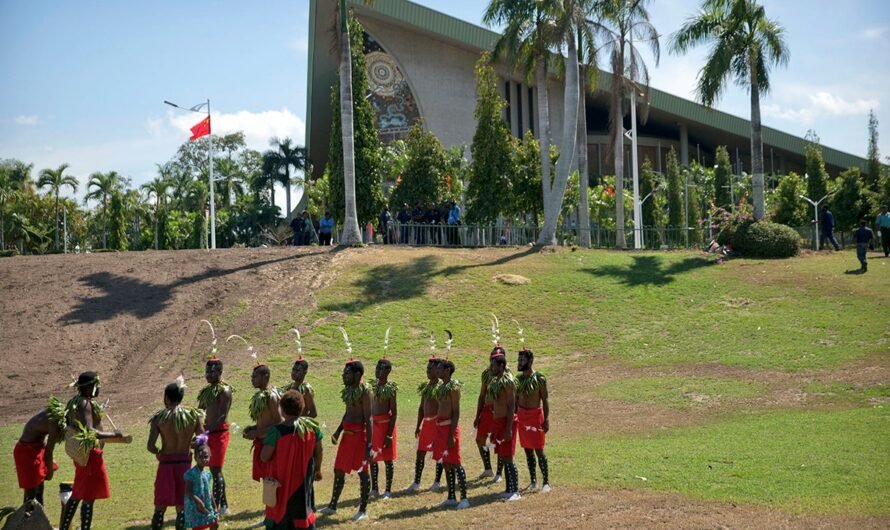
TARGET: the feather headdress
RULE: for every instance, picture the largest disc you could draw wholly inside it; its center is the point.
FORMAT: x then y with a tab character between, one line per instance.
250	350
213	341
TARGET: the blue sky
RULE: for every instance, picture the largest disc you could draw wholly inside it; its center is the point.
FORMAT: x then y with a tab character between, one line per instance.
84	81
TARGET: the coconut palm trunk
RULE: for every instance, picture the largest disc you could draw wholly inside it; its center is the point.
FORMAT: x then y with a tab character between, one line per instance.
543	123
553	203
104	221
351	233
617	105
756	145
583	178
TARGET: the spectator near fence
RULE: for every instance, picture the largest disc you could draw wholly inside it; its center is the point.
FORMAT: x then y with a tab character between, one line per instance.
453	223
418	217
297	225
325	229
883	225
385	222
432	219
828	228
404	218
864	239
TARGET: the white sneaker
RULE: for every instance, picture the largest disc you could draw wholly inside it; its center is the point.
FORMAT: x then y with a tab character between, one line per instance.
435	486
359	516
224	511
504	494
531	487
412	488
513	497
497	478
463	504
546	488
386	495
448	503
327	510
486	474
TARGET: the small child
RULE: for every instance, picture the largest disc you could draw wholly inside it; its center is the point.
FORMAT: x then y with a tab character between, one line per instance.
200	511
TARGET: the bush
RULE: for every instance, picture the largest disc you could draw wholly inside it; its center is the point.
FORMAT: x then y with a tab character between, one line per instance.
9	253
766	240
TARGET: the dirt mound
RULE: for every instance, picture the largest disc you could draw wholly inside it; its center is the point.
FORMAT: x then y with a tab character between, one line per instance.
134	316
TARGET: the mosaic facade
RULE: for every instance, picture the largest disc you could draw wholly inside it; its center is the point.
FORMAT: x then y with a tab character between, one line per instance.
395	107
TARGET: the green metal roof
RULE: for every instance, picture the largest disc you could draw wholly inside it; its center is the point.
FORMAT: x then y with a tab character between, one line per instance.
462	33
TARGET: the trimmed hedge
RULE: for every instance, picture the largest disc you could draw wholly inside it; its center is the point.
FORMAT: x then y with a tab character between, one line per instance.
765	240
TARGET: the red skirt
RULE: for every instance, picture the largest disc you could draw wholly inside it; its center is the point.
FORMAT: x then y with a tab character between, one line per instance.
504	448
259	467
169	481
486	421
441	452
91	480
218	442
29	464
427	440
351	452
381	429
531	430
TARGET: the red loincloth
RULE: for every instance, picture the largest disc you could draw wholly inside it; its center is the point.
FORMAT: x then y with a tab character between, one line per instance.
351	453
218	442
504	448
427	439
259	467
169	481
441	452
29	464
486	419
531	430
91	480
381	429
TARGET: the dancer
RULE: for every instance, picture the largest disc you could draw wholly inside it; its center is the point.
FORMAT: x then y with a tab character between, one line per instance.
485	419
502	391
533	416
176	425
298	376
384	410
215	400
33	453
354	452
425	431
447	446
265	412
201	510
84	425
293	452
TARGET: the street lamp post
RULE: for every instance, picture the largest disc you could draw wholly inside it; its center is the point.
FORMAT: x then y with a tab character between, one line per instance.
638	215
815	214
642	202
197	108
686	209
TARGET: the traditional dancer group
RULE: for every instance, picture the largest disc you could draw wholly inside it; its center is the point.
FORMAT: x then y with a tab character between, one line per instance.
287	448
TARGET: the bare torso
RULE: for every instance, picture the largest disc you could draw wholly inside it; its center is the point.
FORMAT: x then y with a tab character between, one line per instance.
355	411
533	399
175	442
217	412
38	428
270	416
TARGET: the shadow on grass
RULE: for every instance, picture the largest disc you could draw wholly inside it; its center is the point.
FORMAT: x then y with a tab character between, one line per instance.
855	272
392	283
649	270
141	299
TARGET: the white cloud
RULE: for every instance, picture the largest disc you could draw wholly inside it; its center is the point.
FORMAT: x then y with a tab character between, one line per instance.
258	127
299	45
873	34
32	119
821	103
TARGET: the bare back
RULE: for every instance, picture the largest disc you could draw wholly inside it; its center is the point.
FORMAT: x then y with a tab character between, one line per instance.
38	428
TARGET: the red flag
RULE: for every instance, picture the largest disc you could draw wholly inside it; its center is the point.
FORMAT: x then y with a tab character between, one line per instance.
201	129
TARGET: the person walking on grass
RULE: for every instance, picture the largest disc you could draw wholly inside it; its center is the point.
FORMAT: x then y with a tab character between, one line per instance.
865	240
325	230
883	225
384	411
828	229
533	415
425	430
447	446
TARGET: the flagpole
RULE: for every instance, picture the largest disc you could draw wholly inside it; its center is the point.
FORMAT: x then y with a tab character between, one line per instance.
212	194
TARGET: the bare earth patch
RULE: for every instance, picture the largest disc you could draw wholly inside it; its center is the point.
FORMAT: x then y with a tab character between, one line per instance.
512	279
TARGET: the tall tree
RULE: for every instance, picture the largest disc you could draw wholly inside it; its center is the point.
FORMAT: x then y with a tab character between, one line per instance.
814	168
488	192
284	156
674	190
159	187
849	204
722	178
744	45
55	180
15	179
874	156
230	179
361	195
100	187
527	200
791	210
423	179
620	25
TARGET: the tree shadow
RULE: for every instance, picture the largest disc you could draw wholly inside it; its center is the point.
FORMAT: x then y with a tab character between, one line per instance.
124	295
649	270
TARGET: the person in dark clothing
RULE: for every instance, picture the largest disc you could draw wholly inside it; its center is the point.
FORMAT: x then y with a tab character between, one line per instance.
404	218
828	229
385	221
418	216
297	225
865	239
432	219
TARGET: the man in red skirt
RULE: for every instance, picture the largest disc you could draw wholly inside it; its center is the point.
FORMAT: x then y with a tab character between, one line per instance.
533	415
33	452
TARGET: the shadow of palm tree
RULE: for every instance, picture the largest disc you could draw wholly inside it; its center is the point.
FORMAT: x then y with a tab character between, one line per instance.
132	296
649	270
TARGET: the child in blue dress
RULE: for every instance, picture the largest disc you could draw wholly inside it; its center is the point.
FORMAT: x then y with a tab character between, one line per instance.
200	511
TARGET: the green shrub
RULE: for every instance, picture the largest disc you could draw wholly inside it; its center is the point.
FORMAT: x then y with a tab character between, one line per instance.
9	253
766	240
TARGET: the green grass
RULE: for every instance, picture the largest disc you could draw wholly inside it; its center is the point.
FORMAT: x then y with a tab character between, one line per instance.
849	393
680	392
800	461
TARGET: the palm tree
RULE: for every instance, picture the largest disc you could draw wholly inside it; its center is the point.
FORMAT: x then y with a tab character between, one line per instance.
528	35
230	178
283	157
160	188
100	186
617	26
15	177
744	44
181	180
55	180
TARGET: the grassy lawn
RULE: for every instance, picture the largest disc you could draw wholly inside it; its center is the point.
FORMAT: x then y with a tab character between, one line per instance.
584	312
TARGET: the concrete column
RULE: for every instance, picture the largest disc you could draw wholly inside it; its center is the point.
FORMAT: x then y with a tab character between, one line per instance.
514	111
684	145
523	102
